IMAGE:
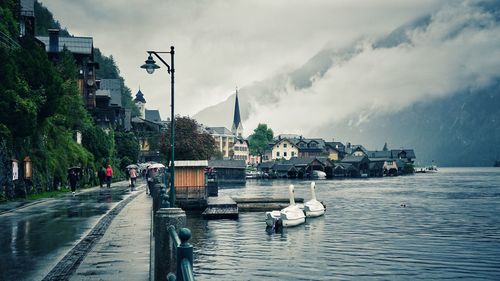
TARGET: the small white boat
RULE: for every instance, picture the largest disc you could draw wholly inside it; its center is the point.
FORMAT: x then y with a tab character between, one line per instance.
431	169
289	216
314	208
253	175
318	174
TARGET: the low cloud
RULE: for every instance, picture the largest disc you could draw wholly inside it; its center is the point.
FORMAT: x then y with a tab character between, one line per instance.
222	44
457	50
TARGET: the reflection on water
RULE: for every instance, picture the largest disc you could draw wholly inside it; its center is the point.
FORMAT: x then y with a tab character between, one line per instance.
427	227
32	240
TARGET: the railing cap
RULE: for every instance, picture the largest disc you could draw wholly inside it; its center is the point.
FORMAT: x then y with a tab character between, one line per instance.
184	234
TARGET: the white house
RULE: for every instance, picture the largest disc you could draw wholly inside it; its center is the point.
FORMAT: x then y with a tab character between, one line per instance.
284	149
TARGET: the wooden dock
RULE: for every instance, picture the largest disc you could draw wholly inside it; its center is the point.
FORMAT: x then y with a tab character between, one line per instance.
259	204
223	207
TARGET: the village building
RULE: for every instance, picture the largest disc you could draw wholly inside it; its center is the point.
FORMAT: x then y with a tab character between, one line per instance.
82	49
147	127
230	143
284	149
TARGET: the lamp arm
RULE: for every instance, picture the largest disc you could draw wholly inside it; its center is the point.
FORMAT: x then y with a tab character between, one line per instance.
158	56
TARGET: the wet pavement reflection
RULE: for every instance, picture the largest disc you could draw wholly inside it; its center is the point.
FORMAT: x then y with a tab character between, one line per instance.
34	239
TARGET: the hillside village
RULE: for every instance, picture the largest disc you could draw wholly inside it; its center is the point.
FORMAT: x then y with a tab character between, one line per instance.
291	156
109	104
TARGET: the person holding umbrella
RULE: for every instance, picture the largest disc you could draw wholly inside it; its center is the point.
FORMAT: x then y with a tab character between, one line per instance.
72	178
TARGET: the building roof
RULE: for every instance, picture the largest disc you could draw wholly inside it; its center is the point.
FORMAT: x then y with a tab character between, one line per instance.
191	163
344	166
286	136
219	131
353	159
152	115
301	161
264	165
27	7
241	140
283	167
76	45
103	93
115	88
309	144
409	153
139	97
337	145
227	164
378	154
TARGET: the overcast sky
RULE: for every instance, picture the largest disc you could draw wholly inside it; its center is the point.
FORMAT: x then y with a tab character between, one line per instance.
224	44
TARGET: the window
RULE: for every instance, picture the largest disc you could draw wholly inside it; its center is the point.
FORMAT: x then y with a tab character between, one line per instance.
278	154
284	154
284	145
293	153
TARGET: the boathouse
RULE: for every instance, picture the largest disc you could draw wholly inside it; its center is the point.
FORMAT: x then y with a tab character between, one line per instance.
190	183
229	171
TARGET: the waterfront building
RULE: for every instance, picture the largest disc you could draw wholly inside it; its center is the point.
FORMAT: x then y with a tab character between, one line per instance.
82	49
240	150
229	171
284	149
224	140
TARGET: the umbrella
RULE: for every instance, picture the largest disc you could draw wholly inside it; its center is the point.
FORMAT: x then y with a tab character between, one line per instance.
156	166
74	168
132	166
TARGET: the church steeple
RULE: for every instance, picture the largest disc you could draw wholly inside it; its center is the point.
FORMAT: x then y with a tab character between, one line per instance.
237	128
140	102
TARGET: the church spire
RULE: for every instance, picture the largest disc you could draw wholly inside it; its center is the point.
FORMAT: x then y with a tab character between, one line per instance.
237	128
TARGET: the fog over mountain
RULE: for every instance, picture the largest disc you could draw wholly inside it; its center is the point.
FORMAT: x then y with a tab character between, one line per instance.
429	84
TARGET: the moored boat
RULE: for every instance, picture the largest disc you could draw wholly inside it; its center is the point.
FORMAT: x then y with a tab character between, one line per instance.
289	216
314	208
318	175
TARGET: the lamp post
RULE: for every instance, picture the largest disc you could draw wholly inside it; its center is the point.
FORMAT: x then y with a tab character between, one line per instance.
150	66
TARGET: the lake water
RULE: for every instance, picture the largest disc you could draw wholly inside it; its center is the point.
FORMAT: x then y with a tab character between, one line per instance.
449	229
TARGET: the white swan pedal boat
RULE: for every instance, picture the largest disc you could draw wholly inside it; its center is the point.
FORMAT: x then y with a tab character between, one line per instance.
289	216
314	208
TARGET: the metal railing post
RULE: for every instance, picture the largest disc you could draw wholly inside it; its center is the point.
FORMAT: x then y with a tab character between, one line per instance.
184	256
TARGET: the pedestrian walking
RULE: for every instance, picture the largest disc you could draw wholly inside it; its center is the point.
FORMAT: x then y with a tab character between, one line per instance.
133	177
101	174
109	175
72	178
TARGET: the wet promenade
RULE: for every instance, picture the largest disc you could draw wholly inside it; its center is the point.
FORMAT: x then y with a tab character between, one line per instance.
99	234
123	252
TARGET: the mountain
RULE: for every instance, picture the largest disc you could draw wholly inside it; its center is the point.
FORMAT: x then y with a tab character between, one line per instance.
431	84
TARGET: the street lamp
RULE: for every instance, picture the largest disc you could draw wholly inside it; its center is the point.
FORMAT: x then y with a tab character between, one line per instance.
150	66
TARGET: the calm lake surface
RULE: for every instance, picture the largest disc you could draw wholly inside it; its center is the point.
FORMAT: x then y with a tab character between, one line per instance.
449	229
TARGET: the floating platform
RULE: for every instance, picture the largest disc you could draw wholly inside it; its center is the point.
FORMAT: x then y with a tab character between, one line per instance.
223	207
258	204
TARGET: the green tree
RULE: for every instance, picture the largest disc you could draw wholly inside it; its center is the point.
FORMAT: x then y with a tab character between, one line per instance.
259	140
127	145
190	142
